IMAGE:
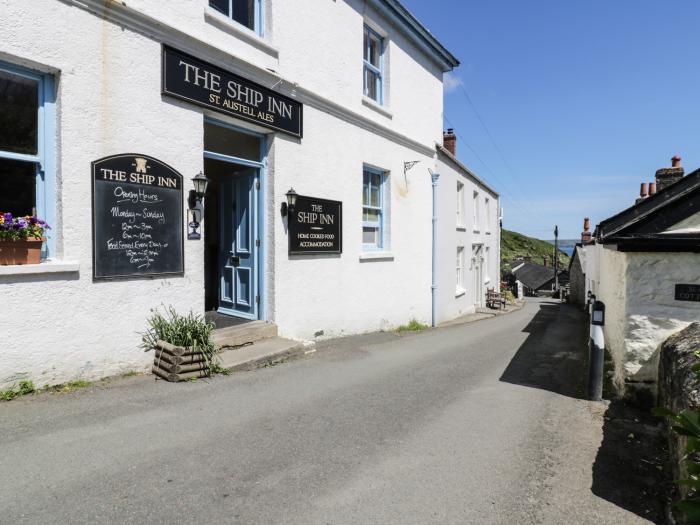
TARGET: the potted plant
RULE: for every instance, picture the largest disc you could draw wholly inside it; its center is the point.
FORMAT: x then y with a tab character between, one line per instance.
183	346
21	239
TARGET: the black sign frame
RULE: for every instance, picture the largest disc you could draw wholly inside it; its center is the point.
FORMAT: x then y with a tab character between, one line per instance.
294	228
100	277
687	292
186	92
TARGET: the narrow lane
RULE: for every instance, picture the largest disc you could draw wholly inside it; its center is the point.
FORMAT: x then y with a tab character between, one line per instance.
478	423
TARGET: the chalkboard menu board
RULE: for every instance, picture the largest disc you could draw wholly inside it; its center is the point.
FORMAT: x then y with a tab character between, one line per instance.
315	226
688	292
137	223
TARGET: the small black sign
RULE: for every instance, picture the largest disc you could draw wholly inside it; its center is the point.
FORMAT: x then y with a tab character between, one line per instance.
315	226
688	292
188	78
137	223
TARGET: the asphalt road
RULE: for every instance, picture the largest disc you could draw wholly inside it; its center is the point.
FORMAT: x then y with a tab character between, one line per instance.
478	423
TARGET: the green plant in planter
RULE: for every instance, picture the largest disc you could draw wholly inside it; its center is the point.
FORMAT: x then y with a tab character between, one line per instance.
687	424
190	330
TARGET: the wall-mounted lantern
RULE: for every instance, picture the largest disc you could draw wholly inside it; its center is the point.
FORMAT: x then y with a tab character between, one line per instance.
195	205
288	207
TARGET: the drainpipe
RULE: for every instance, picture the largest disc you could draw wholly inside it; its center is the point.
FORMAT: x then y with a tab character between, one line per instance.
433	287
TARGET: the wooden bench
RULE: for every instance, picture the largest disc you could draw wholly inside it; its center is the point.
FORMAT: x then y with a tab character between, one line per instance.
495	299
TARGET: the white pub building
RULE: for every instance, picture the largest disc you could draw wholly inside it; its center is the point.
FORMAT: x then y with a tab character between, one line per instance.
316	127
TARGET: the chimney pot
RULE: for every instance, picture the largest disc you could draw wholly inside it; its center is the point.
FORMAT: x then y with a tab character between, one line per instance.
449	141
586	233
652	188
675	161
643	190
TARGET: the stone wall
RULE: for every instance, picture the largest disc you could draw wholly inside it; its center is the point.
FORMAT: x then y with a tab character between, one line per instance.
577	281
679	387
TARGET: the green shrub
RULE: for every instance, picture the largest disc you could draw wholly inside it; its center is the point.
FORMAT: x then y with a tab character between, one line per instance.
191	331
25	387
412	326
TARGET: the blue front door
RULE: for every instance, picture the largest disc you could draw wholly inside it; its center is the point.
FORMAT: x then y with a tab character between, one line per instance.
238	257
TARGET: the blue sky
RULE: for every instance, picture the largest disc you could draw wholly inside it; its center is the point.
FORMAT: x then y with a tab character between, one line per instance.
584	100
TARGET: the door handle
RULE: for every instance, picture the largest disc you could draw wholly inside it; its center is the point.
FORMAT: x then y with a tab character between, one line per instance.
235	260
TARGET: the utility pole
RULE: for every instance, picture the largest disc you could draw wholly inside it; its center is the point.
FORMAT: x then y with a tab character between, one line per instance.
556	259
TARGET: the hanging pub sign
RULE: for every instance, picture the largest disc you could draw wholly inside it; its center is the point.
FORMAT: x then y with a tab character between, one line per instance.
137	220
315	226
688	292
190	79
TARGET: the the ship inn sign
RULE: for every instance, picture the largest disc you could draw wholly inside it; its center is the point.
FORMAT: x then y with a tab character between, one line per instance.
315	226
188	78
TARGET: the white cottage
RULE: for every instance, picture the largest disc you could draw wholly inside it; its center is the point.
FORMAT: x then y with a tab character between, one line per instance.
645	267
109	109
468	236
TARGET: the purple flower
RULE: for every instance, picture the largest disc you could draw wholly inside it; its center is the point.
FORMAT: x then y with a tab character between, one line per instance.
8	218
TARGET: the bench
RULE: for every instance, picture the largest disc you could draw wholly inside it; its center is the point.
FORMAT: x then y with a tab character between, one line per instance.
495	299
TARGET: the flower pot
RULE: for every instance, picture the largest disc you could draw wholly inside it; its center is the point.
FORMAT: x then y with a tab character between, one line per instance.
21	251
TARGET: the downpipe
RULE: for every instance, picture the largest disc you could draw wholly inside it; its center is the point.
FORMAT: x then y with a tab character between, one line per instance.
433	287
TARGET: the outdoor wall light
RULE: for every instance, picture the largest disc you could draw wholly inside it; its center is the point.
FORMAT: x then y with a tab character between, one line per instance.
288	207
195	206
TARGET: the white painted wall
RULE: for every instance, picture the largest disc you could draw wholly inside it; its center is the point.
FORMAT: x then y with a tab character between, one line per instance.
57	327
452	302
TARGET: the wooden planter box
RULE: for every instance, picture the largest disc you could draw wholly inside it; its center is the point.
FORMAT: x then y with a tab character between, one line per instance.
178	363
21	251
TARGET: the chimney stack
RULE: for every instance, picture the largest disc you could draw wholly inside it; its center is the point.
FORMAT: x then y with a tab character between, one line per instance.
642	193
586	233
667	176
449	141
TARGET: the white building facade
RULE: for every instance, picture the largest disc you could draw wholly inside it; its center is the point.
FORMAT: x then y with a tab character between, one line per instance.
353	97
468	237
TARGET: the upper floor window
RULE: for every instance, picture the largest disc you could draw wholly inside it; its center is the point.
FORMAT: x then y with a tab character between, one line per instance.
26	121
373	70
373	209
476	210
487	208
460	204
246	12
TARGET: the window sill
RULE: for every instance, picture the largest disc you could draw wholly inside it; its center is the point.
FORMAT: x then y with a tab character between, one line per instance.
50	266
487	232
459	292
461	228
478	232
224	23
366	101
376	256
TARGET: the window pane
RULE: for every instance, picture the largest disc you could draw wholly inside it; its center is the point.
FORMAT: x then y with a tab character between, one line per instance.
374	51
371	79
365	188
220	5
374	195
229	142
17	187
365	52
370	215
370	235
244	12
19	104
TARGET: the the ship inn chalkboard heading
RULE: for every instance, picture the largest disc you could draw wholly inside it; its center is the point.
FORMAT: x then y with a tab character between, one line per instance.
315	226
137	221
193	80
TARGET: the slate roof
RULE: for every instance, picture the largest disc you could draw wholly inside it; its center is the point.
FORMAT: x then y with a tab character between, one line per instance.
534	276
642	226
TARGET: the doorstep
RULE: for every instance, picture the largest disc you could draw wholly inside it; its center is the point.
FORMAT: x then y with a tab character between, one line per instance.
263	353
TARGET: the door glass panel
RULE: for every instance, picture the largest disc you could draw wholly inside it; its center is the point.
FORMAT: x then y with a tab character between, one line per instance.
19	105
17	187
219	139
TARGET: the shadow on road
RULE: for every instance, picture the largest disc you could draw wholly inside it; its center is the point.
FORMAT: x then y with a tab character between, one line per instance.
553	357
628	469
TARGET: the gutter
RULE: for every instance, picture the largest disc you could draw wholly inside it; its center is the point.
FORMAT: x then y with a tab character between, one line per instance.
433	287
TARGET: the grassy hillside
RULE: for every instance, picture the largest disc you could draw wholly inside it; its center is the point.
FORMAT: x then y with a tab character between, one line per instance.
515	244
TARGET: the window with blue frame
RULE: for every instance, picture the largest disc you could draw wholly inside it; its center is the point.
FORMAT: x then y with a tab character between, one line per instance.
26	140
373	209
246	12
373	70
